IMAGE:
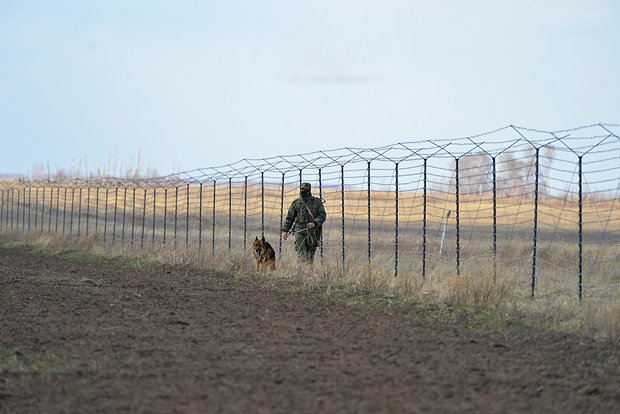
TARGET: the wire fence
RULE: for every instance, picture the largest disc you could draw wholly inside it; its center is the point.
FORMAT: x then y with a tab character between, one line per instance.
537	206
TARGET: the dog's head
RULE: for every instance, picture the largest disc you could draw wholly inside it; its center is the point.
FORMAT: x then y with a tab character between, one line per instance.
259	246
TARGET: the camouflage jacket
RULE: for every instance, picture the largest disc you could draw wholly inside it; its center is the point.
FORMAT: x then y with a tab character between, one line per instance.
303	211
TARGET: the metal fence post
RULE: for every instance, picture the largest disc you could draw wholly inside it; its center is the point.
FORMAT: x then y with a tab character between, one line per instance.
87	210
19	195
229	213
396	221
176	213
213	221
342	212
262	203
424	222
115	215
133	214
64	212
124	214
143	219
79	223
97	212
458	222
154	215
36	208
245	213
200	217
29	206
580	228
72	210
105	216
535	224
368	197
2	212
187	200
494	220
321	197
281	216
165	215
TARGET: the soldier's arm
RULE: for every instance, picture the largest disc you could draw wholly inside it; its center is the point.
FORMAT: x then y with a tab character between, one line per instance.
290	218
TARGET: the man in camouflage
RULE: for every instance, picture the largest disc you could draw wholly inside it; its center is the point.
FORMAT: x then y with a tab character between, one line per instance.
305	217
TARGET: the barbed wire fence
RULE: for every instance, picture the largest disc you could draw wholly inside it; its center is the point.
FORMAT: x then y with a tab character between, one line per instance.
538	206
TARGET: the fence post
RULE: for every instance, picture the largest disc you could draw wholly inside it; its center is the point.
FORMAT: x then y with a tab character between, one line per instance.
124	214
79	223
368	215
133	214
14	217
494	220
187	199
213	221
143	219
396	222
535	224
262	203
424	222
57	209
97	211
154	214
72	211
64	212
115	215
229	213
105	216
29	206
458	222
36	208
87	209
42	210
580	228
281	217
2	212
176	213
200	218
342	211
165	215
321	197
24	213
19	196
245	213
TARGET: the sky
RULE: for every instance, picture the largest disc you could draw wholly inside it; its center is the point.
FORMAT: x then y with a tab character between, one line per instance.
179	85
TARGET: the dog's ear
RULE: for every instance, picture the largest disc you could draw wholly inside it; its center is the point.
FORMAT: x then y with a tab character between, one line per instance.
263	239
255	238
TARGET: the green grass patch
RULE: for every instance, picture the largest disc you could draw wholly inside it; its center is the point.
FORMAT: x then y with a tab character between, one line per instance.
465	316
66	279
19	361
82	256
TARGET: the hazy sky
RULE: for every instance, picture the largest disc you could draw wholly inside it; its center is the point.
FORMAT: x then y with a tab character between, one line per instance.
193	84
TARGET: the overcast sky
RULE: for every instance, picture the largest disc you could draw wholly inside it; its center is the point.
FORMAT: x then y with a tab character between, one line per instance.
192	84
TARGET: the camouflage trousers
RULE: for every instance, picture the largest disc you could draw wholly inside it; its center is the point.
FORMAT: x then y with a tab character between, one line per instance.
306	243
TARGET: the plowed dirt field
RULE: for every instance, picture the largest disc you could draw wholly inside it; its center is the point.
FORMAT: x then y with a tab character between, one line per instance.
102	336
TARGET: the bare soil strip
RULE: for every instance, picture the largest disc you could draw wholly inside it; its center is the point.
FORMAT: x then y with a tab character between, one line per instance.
101	336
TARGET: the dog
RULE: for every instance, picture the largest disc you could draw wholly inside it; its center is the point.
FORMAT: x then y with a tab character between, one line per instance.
264	255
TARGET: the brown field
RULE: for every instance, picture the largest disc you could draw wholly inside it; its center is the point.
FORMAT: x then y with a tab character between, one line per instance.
86	333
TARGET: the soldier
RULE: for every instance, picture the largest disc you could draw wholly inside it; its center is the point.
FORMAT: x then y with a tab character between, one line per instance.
305	217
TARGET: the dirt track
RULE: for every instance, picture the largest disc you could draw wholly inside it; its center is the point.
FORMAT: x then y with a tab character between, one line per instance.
104	337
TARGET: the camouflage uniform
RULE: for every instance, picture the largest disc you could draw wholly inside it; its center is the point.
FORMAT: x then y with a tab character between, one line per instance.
302	211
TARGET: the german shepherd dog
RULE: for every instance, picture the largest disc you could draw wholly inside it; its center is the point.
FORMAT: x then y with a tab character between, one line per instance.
264	255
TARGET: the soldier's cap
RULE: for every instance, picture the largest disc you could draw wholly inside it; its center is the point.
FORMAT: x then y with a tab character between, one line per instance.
305	186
